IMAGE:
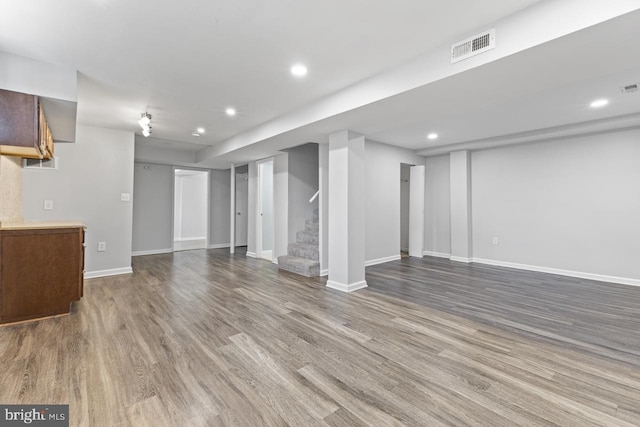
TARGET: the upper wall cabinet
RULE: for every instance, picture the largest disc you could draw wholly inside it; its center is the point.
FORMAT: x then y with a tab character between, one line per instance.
24	131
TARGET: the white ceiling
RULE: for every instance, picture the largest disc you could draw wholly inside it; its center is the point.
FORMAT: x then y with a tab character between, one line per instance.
185	62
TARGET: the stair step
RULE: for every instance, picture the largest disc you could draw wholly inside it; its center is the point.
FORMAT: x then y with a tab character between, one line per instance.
311	225
304	250
316	214
308	237
297	265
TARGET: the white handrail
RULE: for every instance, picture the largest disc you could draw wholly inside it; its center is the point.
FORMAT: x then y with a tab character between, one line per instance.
314	196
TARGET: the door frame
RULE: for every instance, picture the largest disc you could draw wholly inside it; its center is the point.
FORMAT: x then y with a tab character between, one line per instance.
173	204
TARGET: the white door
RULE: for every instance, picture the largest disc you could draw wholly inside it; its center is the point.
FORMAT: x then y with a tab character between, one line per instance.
416	211
242	200
264	227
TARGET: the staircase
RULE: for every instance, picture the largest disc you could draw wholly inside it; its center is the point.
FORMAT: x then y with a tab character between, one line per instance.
303	257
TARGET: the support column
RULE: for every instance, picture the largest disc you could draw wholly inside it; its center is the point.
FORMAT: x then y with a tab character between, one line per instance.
346	212
460	181
232	218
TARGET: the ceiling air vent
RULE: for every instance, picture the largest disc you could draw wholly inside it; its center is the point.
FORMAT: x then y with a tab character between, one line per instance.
473	45
629	88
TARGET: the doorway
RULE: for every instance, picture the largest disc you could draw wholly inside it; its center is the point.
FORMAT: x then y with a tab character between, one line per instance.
190	210
242	204
265	219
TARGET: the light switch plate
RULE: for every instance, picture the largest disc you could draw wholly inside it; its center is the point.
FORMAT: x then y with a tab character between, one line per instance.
125	197
48	205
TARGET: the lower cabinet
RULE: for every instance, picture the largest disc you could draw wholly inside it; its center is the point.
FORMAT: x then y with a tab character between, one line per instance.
41	271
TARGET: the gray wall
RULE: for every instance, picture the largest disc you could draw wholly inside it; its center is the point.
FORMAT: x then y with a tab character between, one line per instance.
303	183
437	212
220	186
569	204
92	173
382	198
152	207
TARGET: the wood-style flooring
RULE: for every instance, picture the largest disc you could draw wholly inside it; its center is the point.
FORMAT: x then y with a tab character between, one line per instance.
206	338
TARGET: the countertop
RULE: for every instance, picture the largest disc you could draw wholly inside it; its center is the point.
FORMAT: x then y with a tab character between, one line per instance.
32	225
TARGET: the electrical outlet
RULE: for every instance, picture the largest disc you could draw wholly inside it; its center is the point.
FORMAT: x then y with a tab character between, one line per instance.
102	246
495	241
125	197
48	205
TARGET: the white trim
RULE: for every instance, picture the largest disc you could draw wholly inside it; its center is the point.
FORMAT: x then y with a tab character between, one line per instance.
324	272
106	273
461	259
189	239
351	287
220	246
152	252
436	254
268	255
382	260
251	254
570	273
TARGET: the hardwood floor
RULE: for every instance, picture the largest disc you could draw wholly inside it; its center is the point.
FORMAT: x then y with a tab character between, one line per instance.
207	338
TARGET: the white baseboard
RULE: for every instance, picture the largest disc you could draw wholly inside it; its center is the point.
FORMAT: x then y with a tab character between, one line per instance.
189	244
105	273
152	252
324	272
436	254
344	287
561	272
190	239
266	255
251	254
461	259
382	260
220	246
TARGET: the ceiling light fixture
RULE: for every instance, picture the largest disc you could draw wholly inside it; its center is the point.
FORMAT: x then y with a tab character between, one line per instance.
230	111
599	103
299	70
145	124
200	130
432	136
195	134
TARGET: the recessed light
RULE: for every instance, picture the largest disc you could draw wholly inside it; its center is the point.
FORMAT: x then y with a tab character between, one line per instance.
200	130
195	134
230	111
599	103
432	136
299	70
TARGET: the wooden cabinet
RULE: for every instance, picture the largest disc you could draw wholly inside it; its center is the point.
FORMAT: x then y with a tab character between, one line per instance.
24	131
41	270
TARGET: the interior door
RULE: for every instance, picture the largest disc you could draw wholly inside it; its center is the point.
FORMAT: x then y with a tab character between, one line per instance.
242	201
416	211
265	205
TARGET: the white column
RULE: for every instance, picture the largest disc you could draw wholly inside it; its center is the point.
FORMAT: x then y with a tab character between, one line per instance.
323	205
232	218
280	205
460	181
346	212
